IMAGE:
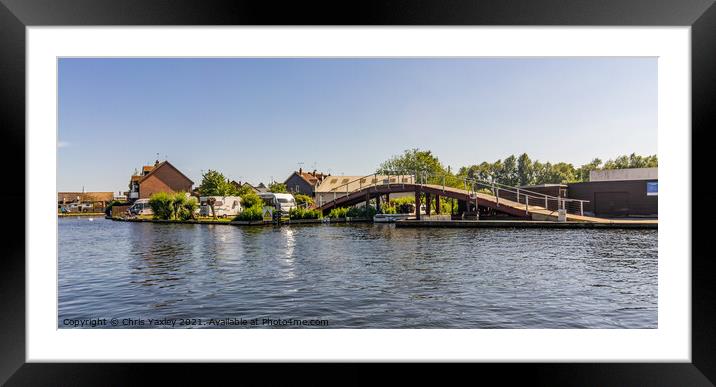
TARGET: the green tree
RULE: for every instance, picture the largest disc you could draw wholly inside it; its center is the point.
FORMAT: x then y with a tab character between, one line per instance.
303	200
632	161
524	170
509	175
243	190
582	173
213	183
414	161
277	187
251	199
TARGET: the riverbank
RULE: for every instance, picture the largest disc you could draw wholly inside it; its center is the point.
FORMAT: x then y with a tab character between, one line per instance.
615	224
95	214
242	223
652	224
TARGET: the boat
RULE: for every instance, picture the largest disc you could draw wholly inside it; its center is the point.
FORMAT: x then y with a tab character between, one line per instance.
390	218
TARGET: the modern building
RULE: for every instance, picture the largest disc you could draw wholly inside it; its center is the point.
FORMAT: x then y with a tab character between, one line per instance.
619	192
304	182
160	177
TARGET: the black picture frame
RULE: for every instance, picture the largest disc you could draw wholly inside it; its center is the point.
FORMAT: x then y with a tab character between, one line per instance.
16	15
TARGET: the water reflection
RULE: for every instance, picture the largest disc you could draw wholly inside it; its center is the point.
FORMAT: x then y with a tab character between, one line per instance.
361	276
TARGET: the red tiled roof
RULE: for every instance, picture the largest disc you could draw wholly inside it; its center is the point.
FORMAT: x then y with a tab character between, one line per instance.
310	178
158	166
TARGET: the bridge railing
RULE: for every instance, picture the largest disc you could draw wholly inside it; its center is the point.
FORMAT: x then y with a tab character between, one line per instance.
473	186
367	181
515	194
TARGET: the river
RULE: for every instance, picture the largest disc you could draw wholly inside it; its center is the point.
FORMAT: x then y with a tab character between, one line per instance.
146	275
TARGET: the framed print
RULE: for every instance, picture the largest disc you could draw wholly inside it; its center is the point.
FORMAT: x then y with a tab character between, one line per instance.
399	183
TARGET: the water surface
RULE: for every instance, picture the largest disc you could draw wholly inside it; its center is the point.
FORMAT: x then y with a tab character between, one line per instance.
355	276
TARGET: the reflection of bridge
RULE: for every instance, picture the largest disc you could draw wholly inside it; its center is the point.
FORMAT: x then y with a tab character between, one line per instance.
479	196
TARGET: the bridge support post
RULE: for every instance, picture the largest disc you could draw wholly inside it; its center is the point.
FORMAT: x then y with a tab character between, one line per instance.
377	204
417	203
477	208
367	200
427	204
437	204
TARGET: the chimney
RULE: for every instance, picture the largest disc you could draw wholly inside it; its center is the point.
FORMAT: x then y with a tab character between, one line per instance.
300	171
156	163
314	172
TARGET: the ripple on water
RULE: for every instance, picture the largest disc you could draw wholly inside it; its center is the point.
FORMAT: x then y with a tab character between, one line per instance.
360	276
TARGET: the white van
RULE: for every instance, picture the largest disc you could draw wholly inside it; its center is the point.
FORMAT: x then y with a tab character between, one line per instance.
283	202
141	207
223	205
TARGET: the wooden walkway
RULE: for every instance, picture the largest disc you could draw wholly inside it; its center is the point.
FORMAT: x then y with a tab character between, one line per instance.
484	200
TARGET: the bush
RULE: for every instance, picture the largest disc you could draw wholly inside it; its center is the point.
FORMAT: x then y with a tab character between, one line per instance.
338	212
361	212
251	199
303	199
187	209
302	213
174	206
252	213
162	205
404	205
388	209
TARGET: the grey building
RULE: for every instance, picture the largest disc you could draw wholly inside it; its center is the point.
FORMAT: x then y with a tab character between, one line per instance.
619	193
304	182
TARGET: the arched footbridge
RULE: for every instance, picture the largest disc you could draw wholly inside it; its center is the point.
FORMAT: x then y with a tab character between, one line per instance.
499	198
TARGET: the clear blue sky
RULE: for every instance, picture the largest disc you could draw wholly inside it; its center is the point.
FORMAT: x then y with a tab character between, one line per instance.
256	119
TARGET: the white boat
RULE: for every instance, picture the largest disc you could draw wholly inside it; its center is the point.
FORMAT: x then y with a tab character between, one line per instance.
390	218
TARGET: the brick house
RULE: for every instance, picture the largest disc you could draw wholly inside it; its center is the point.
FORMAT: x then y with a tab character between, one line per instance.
160	177
304	182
